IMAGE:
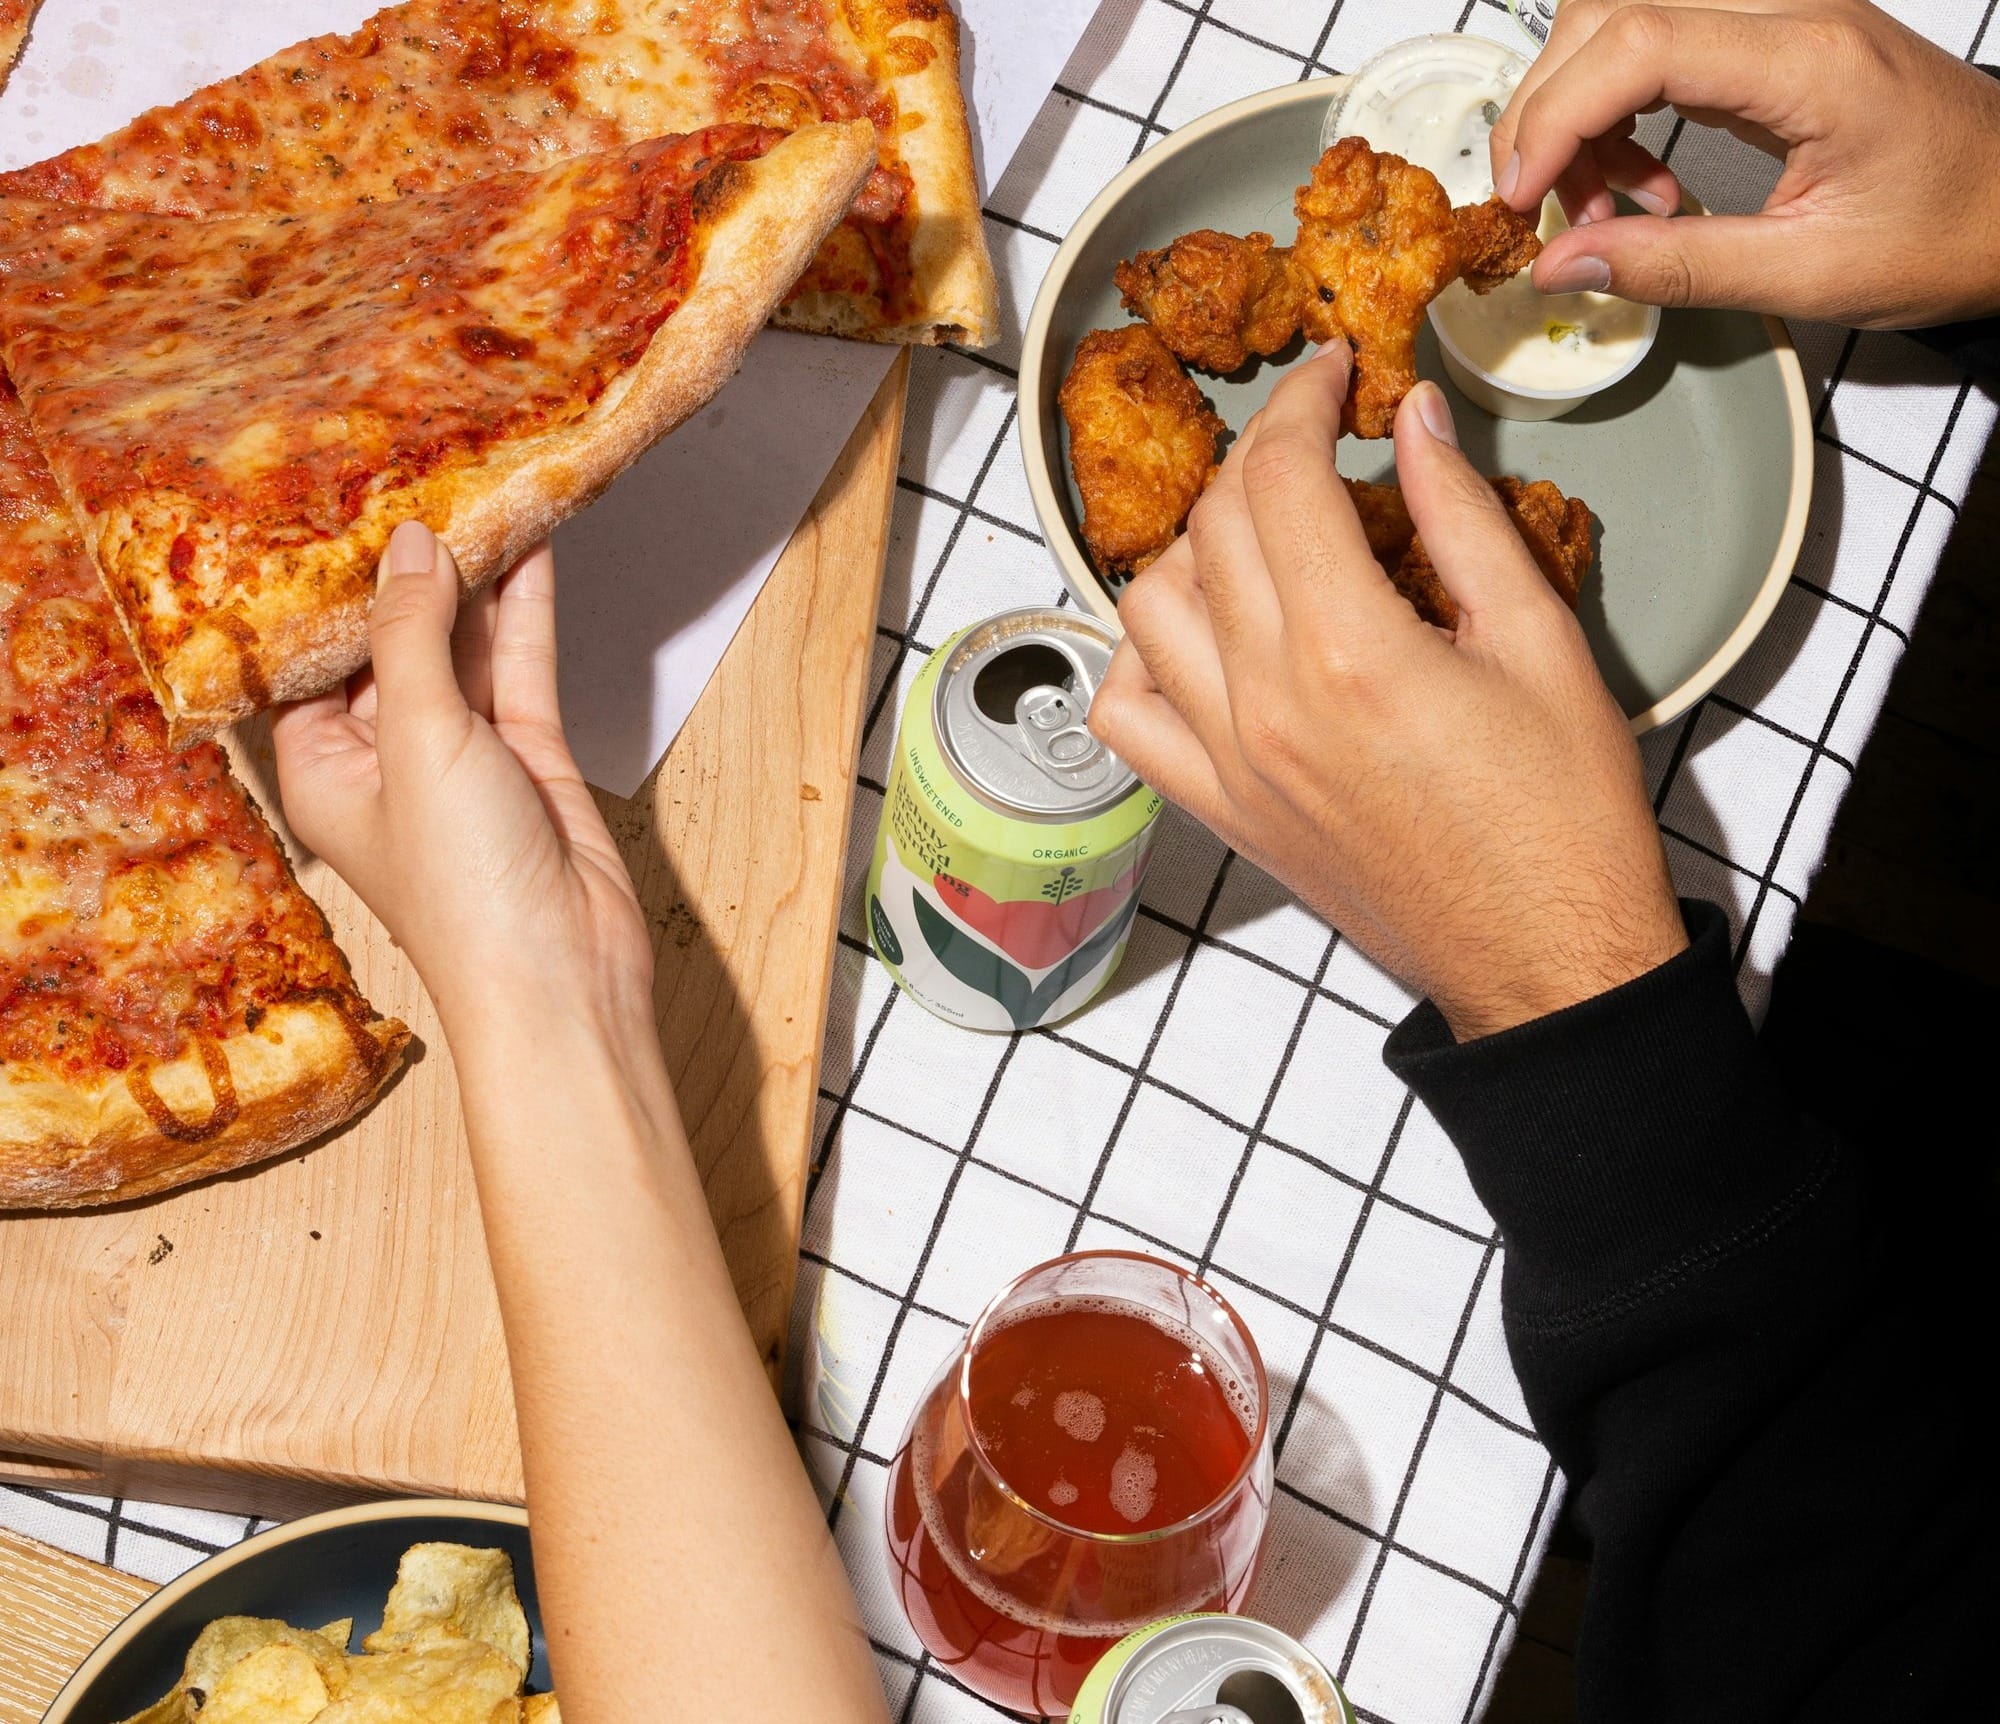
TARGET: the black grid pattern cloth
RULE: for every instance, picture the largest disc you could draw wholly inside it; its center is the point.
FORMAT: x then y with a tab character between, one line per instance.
1225	1105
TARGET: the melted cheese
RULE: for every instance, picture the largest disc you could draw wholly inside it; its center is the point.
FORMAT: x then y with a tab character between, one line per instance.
193	361
142	901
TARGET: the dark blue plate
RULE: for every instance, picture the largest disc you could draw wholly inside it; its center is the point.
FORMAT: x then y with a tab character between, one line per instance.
308	1572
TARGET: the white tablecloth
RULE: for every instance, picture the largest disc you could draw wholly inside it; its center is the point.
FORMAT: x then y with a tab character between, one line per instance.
1225	1105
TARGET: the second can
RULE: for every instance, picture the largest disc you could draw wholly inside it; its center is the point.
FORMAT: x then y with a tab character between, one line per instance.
1013	844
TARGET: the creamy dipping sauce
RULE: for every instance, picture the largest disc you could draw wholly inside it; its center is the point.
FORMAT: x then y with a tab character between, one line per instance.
1555	343
1434	101
1443	127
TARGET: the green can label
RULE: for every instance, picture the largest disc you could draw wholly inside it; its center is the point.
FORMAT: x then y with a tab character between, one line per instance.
988	920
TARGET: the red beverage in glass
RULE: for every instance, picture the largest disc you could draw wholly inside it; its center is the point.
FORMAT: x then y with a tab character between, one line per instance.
1093	1459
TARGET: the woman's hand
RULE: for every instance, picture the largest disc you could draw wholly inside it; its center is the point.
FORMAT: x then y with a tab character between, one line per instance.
440	787
1467	808
1887	214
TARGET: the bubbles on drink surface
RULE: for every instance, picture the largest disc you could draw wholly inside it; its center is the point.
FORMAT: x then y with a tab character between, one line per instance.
1135	1481
1079	1413
1106	1415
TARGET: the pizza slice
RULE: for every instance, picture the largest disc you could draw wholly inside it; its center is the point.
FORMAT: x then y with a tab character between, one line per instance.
239	411
433	92
171	1003
15	17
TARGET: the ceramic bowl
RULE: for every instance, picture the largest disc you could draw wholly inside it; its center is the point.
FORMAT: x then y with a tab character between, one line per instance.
306	1572
1698	465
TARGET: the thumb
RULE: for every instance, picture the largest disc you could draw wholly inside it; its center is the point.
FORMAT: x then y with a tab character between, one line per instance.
1740	263
1481	560
409	628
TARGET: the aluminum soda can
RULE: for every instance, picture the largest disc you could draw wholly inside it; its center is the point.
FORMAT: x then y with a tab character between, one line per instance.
1210	1669
1013	843
1536	17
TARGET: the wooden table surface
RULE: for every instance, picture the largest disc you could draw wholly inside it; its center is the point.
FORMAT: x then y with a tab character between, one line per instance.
54	1608
325	1324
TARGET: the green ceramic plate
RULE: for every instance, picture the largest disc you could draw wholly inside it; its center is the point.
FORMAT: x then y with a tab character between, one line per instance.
307	1572
1699	466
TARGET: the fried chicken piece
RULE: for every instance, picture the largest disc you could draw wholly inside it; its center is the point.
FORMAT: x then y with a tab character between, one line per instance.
1217	299
1377	240
1555	528
1385	518
1142	444
1495	243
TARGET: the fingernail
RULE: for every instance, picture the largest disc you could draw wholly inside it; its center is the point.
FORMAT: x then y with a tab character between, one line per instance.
1651	202
1435	411
1510	177
1578	275
412	549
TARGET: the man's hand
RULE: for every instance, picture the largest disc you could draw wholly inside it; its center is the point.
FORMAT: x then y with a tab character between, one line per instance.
1887	214
439	786
1467	808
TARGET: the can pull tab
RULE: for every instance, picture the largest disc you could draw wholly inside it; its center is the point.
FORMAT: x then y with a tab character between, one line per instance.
1052	729
1210	1714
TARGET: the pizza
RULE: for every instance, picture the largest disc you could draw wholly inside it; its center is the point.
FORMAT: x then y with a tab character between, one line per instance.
15	16
607	197
171	1003
434	92
239	411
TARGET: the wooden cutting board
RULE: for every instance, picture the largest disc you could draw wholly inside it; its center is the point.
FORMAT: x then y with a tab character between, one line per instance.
325	1324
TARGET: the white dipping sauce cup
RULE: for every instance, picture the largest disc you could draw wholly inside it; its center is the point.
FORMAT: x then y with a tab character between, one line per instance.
1505	400
1422	99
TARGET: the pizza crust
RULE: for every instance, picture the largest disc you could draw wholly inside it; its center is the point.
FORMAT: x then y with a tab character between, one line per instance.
913	47
15	17
306	1068
763	218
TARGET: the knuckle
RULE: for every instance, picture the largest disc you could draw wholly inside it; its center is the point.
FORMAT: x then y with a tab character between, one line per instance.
1106	717
1205	516
403	605
1846	42
1280	461
1138	608
1266	738
1642	33
1673	278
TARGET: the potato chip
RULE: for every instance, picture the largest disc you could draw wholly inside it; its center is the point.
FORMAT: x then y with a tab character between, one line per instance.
276	1684
229	1639
451	1590
453	1649
449	1681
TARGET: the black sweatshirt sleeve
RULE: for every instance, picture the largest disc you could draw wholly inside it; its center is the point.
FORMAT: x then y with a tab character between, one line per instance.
1788	1507
1974	347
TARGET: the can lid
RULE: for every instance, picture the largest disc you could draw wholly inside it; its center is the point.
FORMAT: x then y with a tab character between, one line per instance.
1224	1667
1010	706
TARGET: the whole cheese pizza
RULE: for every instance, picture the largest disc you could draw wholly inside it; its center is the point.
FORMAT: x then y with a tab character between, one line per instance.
171	1003
240	410
433	92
